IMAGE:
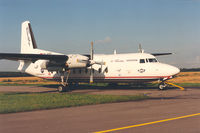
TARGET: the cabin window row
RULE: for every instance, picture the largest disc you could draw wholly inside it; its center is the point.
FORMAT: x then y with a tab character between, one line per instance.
151	60
79	71
128	60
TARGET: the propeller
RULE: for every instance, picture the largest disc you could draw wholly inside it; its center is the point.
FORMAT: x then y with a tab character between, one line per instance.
91	62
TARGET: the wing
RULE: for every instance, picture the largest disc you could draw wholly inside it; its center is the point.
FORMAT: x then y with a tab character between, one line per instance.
32	57
160	54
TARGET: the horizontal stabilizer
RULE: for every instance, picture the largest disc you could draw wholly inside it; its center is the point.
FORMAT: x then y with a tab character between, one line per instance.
160	54
32	57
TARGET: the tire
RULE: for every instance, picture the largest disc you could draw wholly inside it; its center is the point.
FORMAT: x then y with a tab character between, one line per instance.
61	89
161	86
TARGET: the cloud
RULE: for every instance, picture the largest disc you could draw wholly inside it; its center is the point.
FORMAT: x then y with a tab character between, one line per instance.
106	40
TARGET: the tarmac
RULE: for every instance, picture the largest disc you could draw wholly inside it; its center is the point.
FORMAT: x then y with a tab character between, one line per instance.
167	111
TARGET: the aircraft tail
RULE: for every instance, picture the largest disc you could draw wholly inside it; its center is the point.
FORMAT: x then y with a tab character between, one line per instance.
28	42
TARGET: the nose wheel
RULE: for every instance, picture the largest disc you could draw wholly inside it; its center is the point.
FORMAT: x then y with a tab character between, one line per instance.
162	85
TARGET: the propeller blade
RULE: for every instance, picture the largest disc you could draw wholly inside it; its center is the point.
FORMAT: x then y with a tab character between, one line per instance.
91	58
91	51
91	75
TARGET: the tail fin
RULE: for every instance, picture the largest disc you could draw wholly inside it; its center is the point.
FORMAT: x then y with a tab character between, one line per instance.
28	42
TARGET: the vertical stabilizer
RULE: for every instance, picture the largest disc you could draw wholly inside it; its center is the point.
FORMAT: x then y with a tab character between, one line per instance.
28	42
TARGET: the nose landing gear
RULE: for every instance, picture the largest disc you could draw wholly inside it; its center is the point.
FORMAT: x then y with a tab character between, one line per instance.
164	84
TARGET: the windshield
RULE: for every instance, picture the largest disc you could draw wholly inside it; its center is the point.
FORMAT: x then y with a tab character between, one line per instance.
152	60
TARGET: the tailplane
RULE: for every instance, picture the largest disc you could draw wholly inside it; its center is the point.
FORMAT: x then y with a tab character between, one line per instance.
28	42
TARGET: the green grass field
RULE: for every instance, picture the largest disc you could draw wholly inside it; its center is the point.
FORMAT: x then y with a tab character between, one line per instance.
189	84
19	102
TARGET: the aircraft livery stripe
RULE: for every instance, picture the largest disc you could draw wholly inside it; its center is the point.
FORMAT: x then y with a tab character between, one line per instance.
128	77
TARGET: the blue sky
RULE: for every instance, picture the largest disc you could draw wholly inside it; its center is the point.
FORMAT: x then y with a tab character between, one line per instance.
69	26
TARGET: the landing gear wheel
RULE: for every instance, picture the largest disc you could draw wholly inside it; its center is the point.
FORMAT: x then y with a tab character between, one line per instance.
162	86
61	88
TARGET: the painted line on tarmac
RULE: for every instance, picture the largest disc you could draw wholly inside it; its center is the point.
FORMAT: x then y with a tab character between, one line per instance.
148	123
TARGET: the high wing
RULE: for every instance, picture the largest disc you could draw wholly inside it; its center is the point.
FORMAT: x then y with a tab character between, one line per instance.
50	60
160	54
154	54
32	57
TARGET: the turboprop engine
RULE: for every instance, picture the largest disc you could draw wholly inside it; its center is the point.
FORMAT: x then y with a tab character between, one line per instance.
74	61
77	61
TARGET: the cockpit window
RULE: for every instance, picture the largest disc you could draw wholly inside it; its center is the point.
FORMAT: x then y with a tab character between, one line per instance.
152	60
142	61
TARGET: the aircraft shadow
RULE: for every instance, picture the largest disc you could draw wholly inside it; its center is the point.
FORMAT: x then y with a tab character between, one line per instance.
108	87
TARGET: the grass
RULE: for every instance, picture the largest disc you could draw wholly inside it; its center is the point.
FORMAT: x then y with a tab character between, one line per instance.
188	84
20	102
187	77
24	80
180	84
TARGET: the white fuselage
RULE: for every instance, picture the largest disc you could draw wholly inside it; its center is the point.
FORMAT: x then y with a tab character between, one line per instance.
117	68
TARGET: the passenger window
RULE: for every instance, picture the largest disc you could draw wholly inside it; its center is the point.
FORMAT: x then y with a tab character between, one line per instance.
86	70
142	61
74	71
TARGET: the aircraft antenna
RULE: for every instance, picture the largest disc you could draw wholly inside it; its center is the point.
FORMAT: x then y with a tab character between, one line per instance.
115	51
140	49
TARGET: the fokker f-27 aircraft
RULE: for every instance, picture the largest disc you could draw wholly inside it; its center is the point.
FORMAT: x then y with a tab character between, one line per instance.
110	68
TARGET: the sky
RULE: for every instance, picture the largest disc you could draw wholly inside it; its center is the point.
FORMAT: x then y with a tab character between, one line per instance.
68	26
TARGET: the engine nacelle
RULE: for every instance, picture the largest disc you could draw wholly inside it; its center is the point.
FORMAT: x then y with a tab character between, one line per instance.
74	61
77	61
52	66
44	64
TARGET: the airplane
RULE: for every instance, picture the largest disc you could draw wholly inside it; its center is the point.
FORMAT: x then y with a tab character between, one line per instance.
138	67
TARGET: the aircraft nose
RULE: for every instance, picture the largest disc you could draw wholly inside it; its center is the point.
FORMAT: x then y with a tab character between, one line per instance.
168	70
174	70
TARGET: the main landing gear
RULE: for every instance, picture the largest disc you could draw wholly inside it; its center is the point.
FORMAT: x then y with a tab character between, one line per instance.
64	81
62	88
